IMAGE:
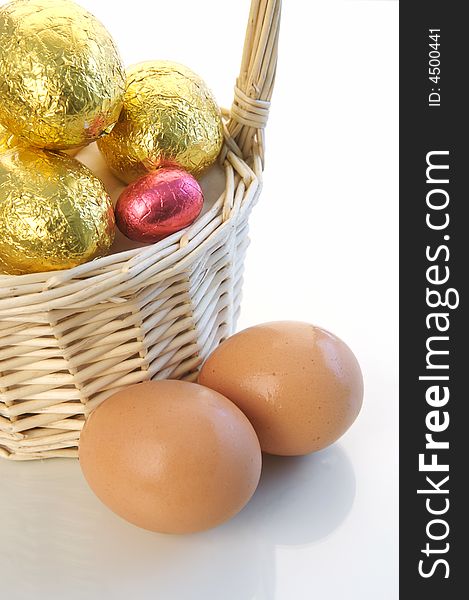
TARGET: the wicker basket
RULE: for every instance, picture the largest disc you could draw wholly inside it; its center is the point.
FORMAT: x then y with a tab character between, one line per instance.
69	339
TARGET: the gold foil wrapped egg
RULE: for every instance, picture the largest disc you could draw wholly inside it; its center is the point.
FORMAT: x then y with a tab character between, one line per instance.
62	81
54	213
170	118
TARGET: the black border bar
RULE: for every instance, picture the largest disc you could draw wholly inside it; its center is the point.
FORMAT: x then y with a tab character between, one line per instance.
434	268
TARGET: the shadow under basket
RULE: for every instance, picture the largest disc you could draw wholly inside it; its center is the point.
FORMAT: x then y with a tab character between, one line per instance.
69	339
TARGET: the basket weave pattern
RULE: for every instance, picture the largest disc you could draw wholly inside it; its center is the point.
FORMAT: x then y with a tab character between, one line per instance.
70	339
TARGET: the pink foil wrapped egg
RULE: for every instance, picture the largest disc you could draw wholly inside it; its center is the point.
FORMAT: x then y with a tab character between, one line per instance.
159	204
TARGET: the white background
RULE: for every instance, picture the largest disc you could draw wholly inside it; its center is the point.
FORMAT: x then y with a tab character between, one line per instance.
324	250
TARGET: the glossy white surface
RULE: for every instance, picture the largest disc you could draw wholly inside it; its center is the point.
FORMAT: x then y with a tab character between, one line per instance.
324	249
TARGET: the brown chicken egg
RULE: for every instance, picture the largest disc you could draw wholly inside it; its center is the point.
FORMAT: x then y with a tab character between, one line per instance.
300	386
170	456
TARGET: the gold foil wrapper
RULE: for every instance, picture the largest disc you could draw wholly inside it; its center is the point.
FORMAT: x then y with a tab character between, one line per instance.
170	117
61	78
7	140
54	213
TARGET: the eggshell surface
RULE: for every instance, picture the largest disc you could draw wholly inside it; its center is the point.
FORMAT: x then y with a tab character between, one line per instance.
299	385
170	456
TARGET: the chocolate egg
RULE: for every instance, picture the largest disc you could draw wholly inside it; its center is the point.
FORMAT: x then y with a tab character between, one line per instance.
54	213
62	81
159	204
170	456
170	117
300	386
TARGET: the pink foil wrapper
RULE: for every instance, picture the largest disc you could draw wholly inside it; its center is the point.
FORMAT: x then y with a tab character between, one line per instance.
159	204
